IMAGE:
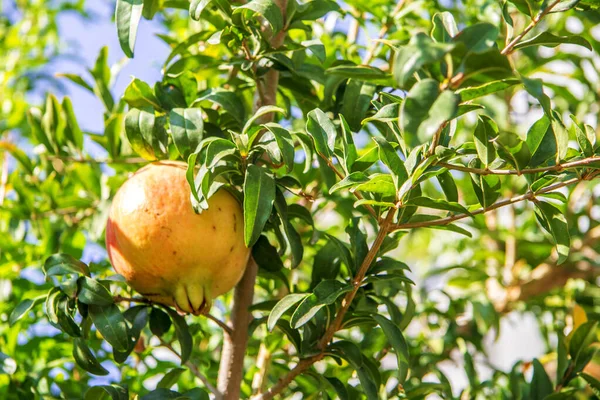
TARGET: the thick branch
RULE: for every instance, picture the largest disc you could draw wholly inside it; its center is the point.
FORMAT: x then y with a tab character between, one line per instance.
559	167
535	20
231	368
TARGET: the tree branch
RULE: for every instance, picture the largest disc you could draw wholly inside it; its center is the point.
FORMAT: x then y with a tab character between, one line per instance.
384	30
194	369
559	167
527	196
534	21
335	326
143	300
356	193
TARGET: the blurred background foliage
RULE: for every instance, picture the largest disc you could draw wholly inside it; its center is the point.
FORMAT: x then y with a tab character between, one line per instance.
451	292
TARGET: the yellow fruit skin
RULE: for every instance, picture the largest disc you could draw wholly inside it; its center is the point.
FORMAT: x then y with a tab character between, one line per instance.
166	251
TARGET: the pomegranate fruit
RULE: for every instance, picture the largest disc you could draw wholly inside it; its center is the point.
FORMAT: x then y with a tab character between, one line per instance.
166	251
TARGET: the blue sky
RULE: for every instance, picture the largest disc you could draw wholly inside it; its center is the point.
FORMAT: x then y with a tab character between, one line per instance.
85	38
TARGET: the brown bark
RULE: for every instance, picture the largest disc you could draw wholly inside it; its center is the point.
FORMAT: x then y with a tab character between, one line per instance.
231	367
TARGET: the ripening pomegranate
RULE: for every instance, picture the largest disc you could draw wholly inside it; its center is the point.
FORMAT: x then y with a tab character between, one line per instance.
166	251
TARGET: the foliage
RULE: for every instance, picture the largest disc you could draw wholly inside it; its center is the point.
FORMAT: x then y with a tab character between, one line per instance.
354	134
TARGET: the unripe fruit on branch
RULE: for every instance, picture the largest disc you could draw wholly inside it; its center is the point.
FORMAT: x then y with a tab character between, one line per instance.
166	251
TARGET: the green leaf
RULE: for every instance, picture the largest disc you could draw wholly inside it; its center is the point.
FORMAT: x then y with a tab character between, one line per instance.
324	294
386	264
512	149
419	52
478	37
291	235
182	331
170	378
359	73
259	195
339	387
416	106
187	129
196	8
535	87
284	142
72	130
593	382
127	15
282	306
146	133
264	110
229	101
19	154
390	158
139	94
268	9
443	109
349	351
398	343
85	358
349	181
111	324
313	10
266	256
557	223
437	204
356	102
562	362
541	385
485	132
160	323
23	308
102	75
581	134
448	186
217	149
348	147
322	130
106	392
548	39
76	79
64	264
487	188
65	318
53	121
541	141
582	338
92	292
444	27
474	92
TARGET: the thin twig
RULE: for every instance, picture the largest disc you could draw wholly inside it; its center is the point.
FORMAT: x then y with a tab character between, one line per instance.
559	167
143	300
195	371
356	193
534	21
222	324
384	30
304	364
453	218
